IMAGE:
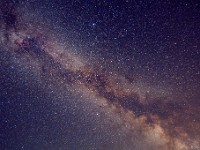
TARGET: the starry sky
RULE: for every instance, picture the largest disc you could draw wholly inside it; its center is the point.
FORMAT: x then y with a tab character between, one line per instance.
103	74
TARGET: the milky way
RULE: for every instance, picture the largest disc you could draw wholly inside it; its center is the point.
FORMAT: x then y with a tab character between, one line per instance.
136	111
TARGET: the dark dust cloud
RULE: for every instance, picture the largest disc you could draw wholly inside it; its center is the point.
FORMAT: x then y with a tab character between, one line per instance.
99	75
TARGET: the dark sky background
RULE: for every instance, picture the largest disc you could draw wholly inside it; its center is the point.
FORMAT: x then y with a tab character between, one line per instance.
155	44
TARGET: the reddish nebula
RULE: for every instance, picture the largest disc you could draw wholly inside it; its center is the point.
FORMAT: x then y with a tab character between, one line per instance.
176	120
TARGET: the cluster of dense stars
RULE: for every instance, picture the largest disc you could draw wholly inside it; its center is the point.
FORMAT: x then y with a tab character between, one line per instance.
99	75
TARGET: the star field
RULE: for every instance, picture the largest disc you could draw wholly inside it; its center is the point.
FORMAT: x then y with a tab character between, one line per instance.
99	75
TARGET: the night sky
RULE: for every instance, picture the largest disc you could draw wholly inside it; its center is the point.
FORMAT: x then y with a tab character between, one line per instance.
99	75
